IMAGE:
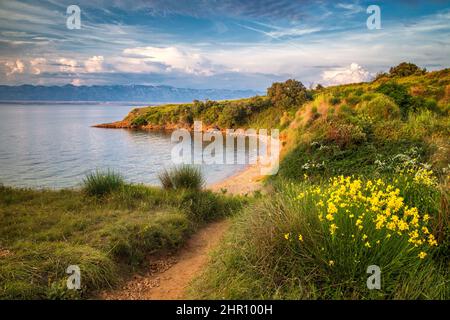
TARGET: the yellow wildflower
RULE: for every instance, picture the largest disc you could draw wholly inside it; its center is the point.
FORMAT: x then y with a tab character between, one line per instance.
331	208
333	228
422	255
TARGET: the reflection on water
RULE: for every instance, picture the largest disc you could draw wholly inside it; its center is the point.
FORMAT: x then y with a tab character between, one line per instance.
54	146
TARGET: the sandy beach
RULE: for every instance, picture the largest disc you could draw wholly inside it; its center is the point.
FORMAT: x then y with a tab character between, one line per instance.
243	182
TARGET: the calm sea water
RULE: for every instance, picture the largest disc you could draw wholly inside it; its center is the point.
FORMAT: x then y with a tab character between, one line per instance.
54	146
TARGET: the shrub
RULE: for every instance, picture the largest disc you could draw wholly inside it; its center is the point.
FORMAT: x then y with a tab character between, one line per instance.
166	180
405	69
316	242
232	116
344	134
353	99
207	205
335	100
399	93
381	108
139	121
100	183
182	177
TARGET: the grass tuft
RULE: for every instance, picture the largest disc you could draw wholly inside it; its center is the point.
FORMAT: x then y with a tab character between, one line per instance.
101	183
182	177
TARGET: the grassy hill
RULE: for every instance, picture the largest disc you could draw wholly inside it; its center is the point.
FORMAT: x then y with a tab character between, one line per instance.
364	181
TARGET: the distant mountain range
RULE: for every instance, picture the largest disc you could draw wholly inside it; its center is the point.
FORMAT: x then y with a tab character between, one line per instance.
136	93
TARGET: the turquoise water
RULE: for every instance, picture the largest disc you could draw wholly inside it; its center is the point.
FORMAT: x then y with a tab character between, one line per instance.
54	146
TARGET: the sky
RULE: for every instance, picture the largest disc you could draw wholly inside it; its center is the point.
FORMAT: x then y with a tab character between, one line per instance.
220	44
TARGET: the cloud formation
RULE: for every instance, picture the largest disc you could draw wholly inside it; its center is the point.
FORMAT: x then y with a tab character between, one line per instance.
36	65
173	58
351	74
229	43
13	67
94	64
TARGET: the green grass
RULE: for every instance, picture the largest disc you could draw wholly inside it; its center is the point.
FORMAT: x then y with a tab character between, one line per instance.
43	232
182	177
263	258
101	183
395	129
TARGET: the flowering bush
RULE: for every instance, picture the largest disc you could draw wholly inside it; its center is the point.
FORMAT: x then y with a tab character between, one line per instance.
317	241
372	212
347	224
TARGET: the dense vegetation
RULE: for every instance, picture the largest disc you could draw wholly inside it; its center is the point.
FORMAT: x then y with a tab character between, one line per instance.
364	180
107	229
272	111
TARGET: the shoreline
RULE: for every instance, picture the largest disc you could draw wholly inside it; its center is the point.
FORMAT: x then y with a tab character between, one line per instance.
242	182
245	181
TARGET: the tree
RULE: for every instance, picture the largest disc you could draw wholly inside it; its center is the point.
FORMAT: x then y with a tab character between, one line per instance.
291	93
319	87
405	69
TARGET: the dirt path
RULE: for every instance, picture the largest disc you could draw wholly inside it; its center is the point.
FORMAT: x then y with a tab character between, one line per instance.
167	278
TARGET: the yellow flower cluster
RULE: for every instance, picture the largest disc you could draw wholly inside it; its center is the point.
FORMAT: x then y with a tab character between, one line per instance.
426	177
373	206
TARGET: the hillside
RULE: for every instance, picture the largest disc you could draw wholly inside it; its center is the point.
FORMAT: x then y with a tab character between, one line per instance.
348	123
363	185
369	126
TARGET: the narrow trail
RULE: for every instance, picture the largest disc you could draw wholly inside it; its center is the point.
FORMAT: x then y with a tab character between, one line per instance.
168	278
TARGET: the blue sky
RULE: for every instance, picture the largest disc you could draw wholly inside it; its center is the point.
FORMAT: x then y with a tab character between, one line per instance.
217	44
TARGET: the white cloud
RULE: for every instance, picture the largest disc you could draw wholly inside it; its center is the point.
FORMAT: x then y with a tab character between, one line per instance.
352	74
292	32
352	8
94	64
37	65
185	60
135	65
67	65
15	67
76	82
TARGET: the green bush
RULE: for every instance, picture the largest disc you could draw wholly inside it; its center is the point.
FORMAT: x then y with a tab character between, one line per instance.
335	100
399	93
344	134
101	183
206	205
182	177
139	121
381	108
